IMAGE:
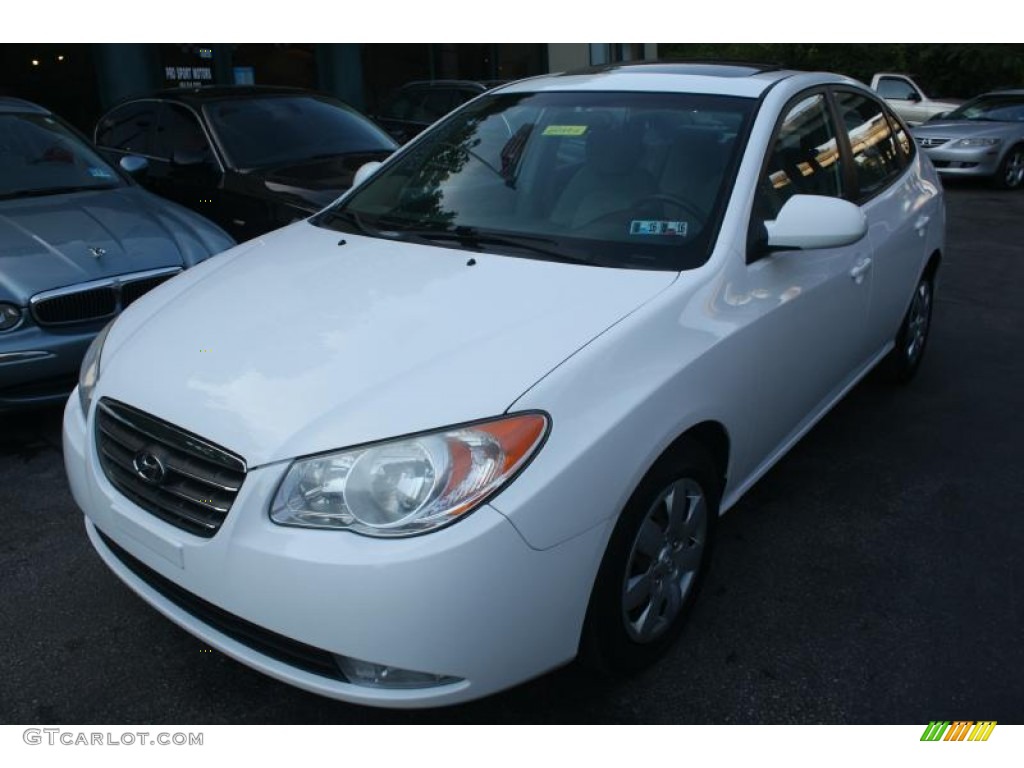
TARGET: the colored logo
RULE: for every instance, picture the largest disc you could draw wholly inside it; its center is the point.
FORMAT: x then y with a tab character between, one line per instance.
960	730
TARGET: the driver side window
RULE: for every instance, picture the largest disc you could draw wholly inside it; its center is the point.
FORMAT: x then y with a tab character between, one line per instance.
803	160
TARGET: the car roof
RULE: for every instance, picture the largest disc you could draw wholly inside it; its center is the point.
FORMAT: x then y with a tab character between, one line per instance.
475	84
710	77
11	105
207	93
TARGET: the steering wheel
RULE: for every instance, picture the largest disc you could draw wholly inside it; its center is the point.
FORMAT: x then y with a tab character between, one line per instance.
667	197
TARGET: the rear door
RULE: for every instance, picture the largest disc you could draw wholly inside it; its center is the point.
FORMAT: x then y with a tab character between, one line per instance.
895	202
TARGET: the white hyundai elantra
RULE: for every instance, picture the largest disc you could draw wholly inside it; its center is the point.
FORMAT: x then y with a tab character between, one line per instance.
480	415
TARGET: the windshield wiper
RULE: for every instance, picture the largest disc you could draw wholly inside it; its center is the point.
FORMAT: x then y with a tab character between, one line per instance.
351	218
53	191
473	239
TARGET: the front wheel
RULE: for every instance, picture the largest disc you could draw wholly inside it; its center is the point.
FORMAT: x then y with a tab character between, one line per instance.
1011	171
905	358
654	563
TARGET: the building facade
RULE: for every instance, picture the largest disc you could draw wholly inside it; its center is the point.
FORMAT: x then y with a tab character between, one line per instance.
80	81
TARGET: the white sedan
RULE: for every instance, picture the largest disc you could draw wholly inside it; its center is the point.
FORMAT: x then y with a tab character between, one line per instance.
481	415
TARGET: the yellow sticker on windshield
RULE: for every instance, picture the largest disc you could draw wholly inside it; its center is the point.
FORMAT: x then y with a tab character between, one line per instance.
565	130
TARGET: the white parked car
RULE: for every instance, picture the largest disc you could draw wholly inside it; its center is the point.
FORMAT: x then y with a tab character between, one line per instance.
482	414
908	100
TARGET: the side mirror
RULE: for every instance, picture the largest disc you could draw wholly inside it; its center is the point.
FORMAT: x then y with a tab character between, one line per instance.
914	96
813	221
366	170
134	165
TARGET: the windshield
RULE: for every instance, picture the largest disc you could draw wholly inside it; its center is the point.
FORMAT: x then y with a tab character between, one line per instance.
279	130
1004	108
39	156
612	179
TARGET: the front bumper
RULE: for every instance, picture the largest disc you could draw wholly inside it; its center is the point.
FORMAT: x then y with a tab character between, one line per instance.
969	161
472	601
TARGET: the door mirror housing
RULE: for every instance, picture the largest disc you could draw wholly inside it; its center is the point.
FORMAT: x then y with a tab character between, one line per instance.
807	222
366	170
914	96
134	165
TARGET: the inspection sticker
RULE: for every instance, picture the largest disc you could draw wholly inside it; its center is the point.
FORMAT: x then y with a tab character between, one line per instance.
652	227
565	130
99	173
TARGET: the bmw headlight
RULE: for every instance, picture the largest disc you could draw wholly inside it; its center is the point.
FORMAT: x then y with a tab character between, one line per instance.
977	142
411	485
10	316
89	373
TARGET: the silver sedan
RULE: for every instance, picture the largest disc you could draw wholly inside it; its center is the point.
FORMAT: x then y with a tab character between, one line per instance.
984	137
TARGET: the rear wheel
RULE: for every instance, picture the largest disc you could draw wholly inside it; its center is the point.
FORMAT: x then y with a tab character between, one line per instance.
655	562
905	358
1011	171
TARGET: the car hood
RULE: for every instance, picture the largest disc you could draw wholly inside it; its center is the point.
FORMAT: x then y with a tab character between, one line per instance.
962	129
296	344
48	242
317	182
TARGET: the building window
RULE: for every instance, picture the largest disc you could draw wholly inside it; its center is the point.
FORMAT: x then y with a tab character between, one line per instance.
612	53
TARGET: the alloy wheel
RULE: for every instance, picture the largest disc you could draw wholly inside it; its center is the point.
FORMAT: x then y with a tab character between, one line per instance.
918	321
664	560
1014	169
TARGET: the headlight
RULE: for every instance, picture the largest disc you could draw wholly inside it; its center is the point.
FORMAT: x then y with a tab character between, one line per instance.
89	373
407	486
10	316
977	142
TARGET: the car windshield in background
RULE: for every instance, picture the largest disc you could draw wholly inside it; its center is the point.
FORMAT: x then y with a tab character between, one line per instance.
278	130
39	156
633	180
1008	108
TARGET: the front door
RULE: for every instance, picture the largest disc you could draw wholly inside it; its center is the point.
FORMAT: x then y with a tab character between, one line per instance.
810	306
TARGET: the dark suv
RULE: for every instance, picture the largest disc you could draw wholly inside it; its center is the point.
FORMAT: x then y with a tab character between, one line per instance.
416	105
251	158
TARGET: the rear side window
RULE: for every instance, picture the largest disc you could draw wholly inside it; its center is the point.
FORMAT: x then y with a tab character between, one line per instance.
903	143
876	157
129	128
804	159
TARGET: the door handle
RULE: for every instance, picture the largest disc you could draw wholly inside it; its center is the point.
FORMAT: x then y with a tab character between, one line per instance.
859	270
921	224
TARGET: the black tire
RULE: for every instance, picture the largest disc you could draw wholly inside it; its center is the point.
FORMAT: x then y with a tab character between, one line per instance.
912	339
1011	171
612	640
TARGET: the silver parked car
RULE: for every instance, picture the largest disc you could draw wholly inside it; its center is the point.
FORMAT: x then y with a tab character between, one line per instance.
79	241
984	137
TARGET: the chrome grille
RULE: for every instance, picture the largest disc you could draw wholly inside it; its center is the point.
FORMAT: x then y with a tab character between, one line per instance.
93	304
929	142
199	480
97	300
136	288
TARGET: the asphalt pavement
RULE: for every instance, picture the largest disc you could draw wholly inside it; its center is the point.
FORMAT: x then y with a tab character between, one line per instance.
875	575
